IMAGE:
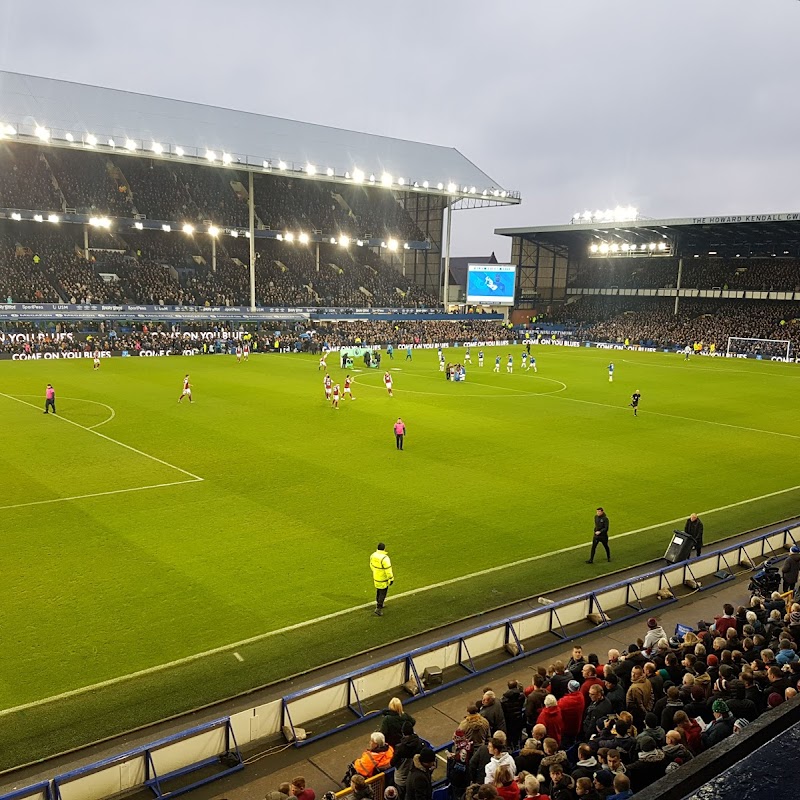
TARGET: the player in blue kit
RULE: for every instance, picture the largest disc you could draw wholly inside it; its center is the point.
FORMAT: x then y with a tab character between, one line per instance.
480	358
510	363
524	360
497	364
533	364
611	372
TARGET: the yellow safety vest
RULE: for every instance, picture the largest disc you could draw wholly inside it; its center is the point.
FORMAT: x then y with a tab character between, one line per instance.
381	566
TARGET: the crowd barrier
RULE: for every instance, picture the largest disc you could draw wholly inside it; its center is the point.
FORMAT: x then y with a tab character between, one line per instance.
167	767
212	749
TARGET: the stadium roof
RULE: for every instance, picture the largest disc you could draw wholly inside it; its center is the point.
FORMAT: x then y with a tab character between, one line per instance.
80	110
743	234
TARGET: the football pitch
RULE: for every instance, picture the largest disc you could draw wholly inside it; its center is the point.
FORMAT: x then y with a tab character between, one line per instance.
169	555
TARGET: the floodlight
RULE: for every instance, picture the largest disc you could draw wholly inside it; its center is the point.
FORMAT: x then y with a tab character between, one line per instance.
303	238
576	216
625	247
392	244
281	165
383	244
484	193
652	245
597	214
615	248
38	218
266	165
16	216
406	246
333	240
587	216
401	181
504	193
247	234
425	184
100	222
226	158
662	246
130	145
311	169
54	218
211	155
644	247
139	226
359	242
372	178
69	137
465	190
157	148
213	230
111	143
440	186
188	229
91	140
347	175
594	248
288	236
358	175
472	190
452	188
42	133
166	228
344	240
604	247
279	237
10	130
235	234
179	151
386	179
329	172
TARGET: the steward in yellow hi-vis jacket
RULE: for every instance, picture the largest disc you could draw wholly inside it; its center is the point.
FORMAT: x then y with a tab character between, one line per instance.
382	576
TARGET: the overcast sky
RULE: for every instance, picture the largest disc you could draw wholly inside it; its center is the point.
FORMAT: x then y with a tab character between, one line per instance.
678	107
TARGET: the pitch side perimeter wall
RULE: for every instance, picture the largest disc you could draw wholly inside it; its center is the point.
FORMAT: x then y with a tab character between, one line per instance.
507	640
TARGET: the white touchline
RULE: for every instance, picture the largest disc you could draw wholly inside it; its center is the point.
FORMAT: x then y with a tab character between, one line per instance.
109	439
334	614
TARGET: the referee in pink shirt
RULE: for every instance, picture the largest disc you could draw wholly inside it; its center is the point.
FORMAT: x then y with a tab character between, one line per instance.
399	433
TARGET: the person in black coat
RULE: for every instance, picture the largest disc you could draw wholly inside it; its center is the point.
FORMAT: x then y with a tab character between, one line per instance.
597	710
600	534
694	530
419	785
512	703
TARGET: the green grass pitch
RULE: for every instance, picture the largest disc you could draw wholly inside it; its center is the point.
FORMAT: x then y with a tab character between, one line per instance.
104	577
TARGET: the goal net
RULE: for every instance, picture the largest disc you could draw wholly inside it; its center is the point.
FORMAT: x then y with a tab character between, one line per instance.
766	348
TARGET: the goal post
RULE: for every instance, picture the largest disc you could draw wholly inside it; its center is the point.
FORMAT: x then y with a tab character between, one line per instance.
738	345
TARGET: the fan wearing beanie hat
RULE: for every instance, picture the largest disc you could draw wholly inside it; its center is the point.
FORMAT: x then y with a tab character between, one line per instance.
722	726
418	783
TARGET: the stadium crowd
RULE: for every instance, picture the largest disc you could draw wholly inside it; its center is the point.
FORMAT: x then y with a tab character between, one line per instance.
754	274
651	321
586	729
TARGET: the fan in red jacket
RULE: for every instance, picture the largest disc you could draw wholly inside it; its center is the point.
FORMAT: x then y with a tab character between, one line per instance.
572	706
550	717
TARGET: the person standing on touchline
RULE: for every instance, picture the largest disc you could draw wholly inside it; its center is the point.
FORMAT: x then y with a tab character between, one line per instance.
399	433
382	576
600	534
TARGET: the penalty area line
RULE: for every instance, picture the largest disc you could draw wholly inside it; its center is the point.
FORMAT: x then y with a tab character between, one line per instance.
109	439
234	646
96	494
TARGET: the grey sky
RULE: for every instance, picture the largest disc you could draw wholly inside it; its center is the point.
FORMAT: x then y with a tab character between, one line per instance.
679	107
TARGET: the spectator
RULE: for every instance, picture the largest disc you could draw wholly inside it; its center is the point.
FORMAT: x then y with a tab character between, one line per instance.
376	758
596	712
550	717
572	708
394	722
576	663
419	784
360	788
586	765
654	633
283	792
409	746
300	791
492	712
475	726
499	757
507	787
649	766
721	727
639	699
512	704
532	789
530	757
622	788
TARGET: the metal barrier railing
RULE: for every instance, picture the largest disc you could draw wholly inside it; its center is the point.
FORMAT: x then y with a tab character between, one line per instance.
639	595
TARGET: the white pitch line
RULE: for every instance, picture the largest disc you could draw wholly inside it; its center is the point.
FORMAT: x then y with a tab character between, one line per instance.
342	612
719	370
109	439
82	400
95	494
674	416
